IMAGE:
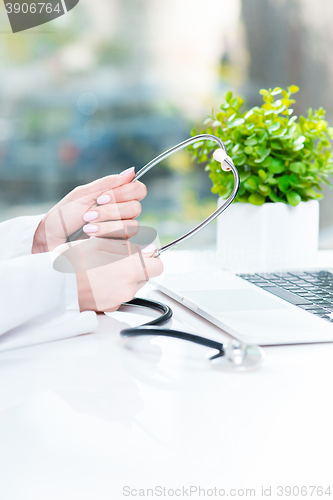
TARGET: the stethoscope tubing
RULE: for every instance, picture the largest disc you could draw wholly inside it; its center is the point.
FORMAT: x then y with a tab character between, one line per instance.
153	327
233	355
78	234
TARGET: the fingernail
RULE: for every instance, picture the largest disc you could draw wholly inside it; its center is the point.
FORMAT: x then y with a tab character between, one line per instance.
149	249
105	198
128	171
89	216
90	228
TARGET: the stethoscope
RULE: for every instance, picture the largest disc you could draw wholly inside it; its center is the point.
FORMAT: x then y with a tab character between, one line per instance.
233	355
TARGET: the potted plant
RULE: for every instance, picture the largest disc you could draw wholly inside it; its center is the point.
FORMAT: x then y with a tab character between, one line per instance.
282	161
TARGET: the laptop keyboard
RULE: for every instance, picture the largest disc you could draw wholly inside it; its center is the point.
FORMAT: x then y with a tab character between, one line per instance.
311	291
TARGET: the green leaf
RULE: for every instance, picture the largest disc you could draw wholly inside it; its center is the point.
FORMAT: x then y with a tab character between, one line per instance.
264	190
292	119
298	147
223	192
268	98
276	91
283	183
244	176
248	114
292	130
298	167
239	160
299	140
275	126
287	102
242	199
256	199
228	96
263	154
276	145
241	190
236	123
262	136
293	89
271	181
235	148
267	161
203	159
252	183
311	193
295	181
276	167
277	103
262	175
274	197
232	116
281	133
251	141
280	110
293	198
197	145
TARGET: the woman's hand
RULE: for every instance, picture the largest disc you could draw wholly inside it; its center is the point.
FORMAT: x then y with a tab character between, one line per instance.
108	272
105	206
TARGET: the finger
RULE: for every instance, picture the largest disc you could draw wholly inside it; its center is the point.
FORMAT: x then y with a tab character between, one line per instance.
111	212
124	229
112	247
89	257
112	309
151	267
98	187
133	191
149	250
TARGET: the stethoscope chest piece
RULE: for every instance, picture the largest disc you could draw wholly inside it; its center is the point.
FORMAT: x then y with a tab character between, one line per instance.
238	356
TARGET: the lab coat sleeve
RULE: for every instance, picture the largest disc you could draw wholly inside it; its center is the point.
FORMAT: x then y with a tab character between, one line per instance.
16	236
37	303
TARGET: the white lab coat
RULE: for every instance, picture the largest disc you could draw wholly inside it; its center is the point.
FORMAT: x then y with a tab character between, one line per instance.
37	303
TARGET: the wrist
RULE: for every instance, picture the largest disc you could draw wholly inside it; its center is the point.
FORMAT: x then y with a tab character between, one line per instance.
39	244
85	294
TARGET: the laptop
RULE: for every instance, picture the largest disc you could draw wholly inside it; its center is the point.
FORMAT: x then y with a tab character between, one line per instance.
268	308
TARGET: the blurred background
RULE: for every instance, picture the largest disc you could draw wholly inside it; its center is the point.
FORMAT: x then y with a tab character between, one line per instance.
113	83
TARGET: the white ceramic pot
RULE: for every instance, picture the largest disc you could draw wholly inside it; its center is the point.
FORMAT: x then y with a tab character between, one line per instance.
270	236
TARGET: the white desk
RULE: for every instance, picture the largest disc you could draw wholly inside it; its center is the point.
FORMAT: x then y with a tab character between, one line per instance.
82	418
